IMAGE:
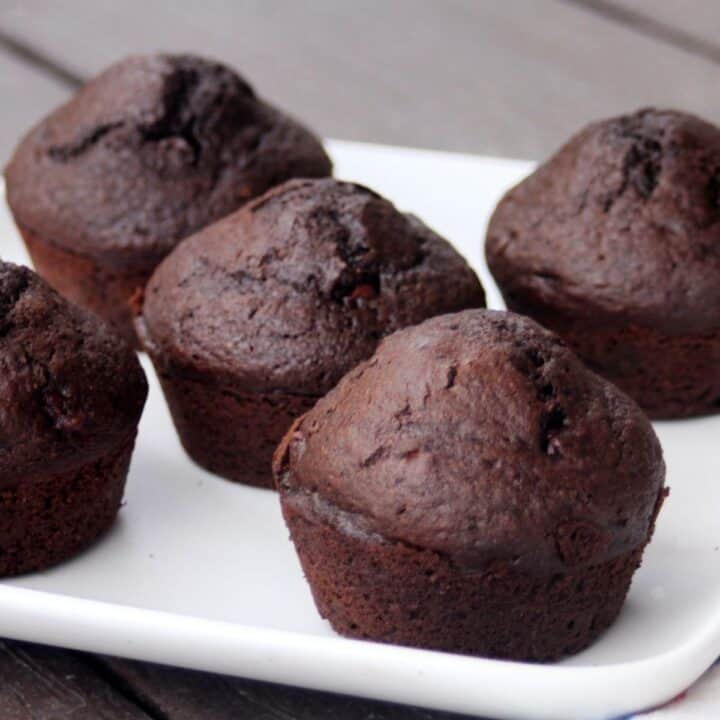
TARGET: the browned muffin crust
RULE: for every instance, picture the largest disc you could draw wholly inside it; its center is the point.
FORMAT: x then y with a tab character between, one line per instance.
614	243
283	297
54	517
72	395
147	153
71	388
480	447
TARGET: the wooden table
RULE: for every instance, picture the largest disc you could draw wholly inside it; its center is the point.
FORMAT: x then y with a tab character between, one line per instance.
511	78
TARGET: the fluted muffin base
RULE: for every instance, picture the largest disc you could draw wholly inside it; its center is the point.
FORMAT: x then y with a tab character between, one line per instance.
394	593
230	434
46	521
102	290
669	376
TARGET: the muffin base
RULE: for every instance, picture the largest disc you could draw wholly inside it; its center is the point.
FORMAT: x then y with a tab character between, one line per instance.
390	592
231	434
668	376
43	522
79	278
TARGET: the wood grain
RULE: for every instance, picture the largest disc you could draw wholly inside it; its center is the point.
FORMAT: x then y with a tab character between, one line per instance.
513	78
690	24
176	694
38	683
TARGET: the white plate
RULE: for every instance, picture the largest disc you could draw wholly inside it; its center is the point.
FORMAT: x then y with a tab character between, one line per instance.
199	572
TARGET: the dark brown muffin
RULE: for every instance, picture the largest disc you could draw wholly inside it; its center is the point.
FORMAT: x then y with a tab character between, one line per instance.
72	394
615	244
149	152
256	317
472	488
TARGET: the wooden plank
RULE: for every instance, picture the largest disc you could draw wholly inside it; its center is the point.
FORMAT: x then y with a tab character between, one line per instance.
175	694
692	24
38	683
504	78
26	96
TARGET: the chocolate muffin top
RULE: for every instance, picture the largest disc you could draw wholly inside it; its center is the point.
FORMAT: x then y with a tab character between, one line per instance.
150	151
71	389
623	223
293	290
481	436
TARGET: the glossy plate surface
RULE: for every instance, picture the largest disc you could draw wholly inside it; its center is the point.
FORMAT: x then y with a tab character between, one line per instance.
200	573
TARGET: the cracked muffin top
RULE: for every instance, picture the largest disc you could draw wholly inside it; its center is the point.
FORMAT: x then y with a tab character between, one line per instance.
71	389
622	223
150	151
480	436
298	286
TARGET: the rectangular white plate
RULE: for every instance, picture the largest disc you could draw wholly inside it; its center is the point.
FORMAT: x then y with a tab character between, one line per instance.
199	572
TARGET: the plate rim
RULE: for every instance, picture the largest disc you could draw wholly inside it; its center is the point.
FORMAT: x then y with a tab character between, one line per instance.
474	684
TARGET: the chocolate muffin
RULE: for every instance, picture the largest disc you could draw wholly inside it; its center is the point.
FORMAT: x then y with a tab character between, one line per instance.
473	488
253	319
72	394
615	244
147	153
